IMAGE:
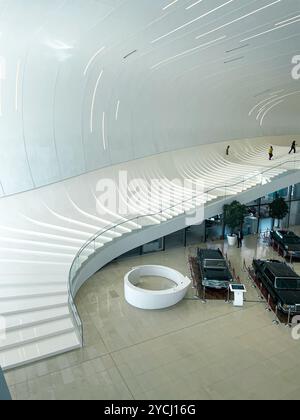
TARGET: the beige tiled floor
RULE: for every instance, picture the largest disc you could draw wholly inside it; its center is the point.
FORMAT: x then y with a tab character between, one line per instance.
191	351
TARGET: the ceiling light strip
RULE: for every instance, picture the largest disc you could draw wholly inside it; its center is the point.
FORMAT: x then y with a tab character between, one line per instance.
240	18
234	59
270	30
193	5
187	52
237	48
268	110
263	108
192	21
1	113
260	103
277	92
287	20
117	110
170	4
103	131
17	85
277	98
92	59
93	100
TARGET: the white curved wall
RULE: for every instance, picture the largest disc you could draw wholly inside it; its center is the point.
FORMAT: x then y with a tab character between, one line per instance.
66	110
155	299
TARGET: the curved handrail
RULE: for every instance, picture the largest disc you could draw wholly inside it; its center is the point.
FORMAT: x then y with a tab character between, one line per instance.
135	219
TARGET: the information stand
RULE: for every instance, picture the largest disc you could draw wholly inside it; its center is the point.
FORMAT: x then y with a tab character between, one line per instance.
238	290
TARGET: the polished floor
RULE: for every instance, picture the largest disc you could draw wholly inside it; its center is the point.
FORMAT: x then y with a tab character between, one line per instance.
191	351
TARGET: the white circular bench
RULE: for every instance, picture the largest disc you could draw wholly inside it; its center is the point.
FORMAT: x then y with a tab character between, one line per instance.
151	299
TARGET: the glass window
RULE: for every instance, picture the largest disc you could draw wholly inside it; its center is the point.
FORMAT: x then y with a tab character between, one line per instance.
270	275
288	284
217	264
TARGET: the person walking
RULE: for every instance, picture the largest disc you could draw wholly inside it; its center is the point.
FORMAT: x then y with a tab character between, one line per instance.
293	147
271	153
227	150
240	238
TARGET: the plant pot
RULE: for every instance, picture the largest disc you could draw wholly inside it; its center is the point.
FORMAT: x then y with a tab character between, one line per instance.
232	240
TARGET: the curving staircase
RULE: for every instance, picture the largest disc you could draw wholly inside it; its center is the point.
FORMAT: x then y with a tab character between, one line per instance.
41	232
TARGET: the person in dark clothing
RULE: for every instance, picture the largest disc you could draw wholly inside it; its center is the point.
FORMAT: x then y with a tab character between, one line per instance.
227	150
293	147
271	153
240	238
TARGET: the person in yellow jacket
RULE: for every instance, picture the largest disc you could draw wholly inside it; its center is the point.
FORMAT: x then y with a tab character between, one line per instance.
271	153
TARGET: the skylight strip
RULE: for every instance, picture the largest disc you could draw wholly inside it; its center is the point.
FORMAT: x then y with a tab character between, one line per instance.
192	21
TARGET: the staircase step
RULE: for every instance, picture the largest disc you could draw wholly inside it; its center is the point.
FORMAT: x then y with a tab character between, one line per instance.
27	279
32	304
33	352
27	335
33	318
17	292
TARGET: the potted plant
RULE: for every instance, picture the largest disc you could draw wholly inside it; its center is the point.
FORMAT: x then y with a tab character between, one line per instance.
278	210
234	216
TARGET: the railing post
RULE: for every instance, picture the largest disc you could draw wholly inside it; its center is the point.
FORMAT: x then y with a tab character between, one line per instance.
228	295
289	318
276	320
204	295
268	308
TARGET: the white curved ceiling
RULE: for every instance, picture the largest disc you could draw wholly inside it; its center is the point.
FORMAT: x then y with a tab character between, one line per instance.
89	83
